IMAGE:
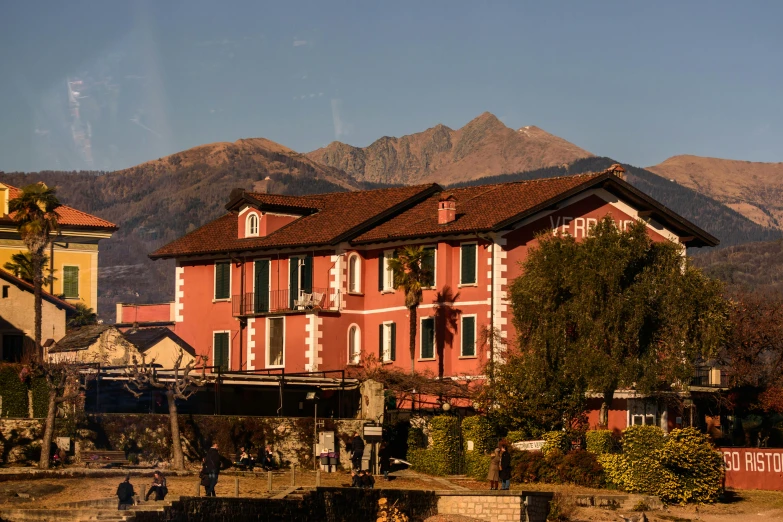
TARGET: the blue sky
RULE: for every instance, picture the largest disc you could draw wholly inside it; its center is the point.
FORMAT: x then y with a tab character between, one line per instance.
637	81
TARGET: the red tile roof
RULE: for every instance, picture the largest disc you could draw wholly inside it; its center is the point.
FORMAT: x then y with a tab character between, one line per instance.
68	216
335	217
410	212
46	296
479	208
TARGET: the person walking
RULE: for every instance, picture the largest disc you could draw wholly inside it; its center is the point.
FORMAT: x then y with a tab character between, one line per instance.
158	487
357	449
384	459
212	466
125	494
504	469
494	466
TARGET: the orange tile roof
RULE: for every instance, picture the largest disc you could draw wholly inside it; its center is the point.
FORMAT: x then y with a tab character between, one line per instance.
68	216
335	216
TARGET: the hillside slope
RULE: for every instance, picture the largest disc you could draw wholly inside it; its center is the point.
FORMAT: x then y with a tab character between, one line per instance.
483	147
753	189
753	266
158	201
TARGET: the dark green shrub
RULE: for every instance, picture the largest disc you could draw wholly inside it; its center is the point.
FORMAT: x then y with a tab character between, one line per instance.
478	429
581	468
40	397
577	467
443	456
527	466
13	390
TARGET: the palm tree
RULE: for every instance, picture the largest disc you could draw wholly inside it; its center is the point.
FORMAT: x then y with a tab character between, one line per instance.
83	316
21	265
34	213
411	276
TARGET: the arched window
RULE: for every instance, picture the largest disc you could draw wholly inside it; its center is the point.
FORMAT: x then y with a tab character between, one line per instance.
354	345
354	273
251	227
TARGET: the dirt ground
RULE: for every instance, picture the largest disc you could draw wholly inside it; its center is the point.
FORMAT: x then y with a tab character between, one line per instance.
760	506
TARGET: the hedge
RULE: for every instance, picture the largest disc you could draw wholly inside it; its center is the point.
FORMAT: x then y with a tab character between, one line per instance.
556	440
477	429
442	457
13	391
681	467
40	397
600	442
577	467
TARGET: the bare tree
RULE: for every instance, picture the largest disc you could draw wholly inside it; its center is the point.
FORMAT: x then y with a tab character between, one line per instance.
177	383
66	381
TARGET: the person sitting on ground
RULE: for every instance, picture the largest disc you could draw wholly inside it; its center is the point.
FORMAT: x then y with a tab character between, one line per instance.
368	482
356	479
158	487
267	459
125	494
244	459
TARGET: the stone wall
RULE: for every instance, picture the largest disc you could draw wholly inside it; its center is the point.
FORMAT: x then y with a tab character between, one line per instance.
18	439
496	506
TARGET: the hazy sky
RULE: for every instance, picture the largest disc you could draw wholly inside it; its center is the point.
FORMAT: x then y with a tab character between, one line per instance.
637	81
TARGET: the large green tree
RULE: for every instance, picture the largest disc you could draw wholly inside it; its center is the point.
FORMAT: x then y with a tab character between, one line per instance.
411	275
34	212
616	310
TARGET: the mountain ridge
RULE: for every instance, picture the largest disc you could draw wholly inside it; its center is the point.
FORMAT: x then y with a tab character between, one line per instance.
482	147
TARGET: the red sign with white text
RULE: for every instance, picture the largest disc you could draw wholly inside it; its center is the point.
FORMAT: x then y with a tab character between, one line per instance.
753	468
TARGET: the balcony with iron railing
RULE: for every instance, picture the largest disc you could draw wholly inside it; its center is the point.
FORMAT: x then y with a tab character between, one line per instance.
252	304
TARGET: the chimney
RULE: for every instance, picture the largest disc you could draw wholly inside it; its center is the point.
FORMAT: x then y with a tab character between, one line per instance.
617	170
447	209
4	197
262	187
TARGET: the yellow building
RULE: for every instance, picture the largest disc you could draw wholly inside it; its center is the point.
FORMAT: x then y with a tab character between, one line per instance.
73	253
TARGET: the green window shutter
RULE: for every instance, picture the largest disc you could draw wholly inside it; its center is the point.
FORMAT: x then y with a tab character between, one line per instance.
468	275
427	338
221	351
71	281
380	342
468	336
261	296
307	275
380	271
428	266
222	280
393	349
293	288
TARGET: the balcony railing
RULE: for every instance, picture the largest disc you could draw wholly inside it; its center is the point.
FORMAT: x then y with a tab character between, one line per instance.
281	301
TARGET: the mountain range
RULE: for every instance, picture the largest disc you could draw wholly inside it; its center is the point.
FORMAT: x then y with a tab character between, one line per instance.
160	200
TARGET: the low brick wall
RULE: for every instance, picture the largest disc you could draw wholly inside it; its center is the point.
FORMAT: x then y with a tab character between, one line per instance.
500	506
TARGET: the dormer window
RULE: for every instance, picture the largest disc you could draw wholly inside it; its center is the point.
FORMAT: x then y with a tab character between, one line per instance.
251	226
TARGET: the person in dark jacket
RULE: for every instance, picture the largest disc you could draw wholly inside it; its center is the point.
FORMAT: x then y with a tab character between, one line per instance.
125	494
158	487
357	449
356	479
244	459
267	459
368	482
384	459
212	467
504	470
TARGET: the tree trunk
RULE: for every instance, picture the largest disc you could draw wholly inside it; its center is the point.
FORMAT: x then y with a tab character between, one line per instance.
412	329
178	460
46	442
603	414
37	284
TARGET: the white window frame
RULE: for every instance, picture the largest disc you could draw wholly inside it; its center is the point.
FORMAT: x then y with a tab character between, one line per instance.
248	228
267	348
230	280
475	283
388	273
475	336
78	280
228	332
421	339
435	267
358	275
387	342
357	338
